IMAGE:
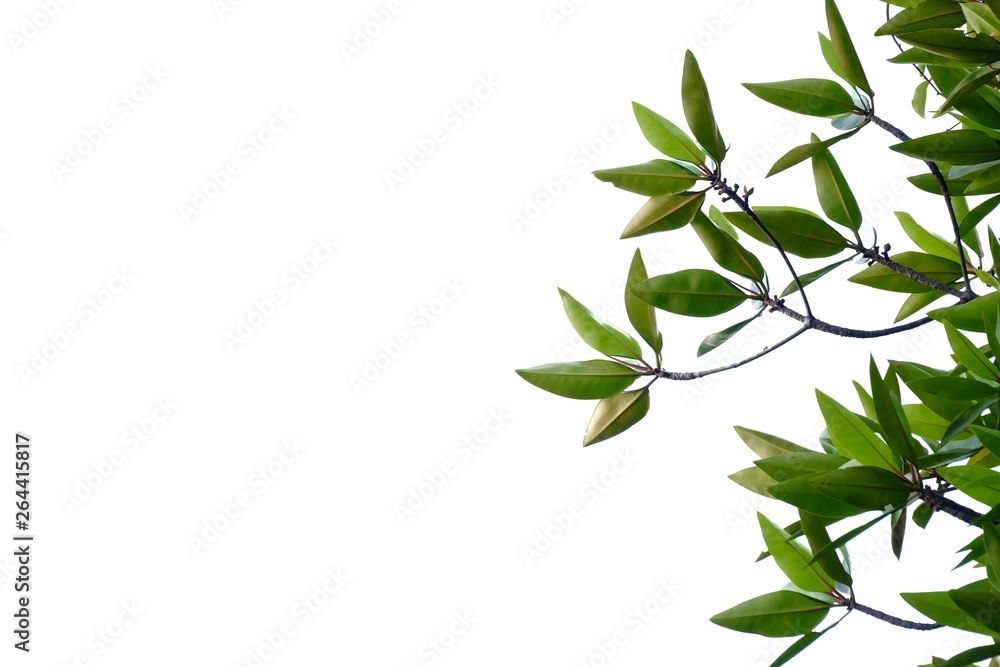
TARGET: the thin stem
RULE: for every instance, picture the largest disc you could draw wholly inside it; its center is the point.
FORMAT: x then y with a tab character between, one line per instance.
744	204
943	185
694	375
844	332
899	46
893	620
939	503
873	255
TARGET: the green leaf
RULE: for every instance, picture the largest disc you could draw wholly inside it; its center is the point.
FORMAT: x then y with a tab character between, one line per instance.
980	601
641	314
811	97
927	241
953	44
844	50
831	548
765	445
698	110
727	251
953	387
965	419
814	528
976	482
664	213
980	18
799	645
991	537
977	215
969	316
581	379
968	85
928	183
796	464
666	137
921	57
881	277
968	354
716	339
865	487
986	182
922	515
754	479
826	46
616	414
940	608
891	417
653	178
927	15
778	614
990	439
852	436
798	231
715	215
915	303
835	195
811	277
801	492
954	147
794	559
692	292
603	337
919	101
804	152
898	532
969	656
975	106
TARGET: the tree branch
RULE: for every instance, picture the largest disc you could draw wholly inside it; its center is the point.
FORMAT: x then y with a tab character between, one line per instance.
744	204
939	503
844	332
894	620
943	185
873	255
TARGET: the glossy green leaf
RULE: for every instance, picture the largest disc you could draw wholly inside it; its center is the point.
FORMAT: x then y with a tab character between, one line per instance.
616	414
804	152
881	277
766	445
716	216
814	528
991	537
965	419
811	97
727	251
969	656
968	85
796	464
980	601
915	303
778	614
698	110
922	515
920	57
581	379
919	101
954	147
927	241
891	417
848	536
811	277
793	558
940	608
926	15
603	337
986	182
865	487
954	387
799	645
801	492
974	106
968	354
989	437
641	314
852	436
980	18
718	338
898	532
664	213
927	183
978	483
692	292
844	50
830	56
666	137
971	219
754	479
835	195
653	178
798	231
969	316
953	44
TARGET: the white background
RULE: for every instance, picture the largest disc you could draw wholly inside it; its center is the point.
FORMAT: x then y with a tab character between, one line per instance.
118	520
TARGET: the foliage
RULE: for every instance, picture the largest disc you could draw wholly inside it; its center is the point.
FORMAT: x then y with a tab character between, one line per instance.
925	437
